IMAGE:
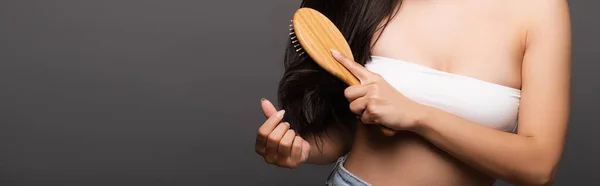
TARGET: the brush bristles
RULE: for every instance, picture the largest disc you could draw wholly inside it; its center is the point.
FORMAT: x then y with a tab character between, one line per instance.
296	44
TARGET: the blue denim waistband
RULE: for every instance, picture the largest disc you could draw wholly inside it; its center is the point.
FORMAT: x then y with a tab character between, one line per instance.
339	176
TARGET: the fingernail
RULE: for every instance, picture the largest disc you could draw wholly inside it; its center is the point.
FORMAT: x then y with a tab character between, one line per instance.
280	113
335	52
262	99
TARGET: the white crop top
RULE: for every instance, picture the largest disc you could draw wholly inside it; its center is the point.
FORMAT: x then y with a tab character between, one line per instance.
482	102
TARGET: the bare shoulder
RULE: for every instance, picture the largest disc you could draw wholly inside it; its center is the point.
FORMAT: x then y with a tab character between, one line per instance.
546	6
545	14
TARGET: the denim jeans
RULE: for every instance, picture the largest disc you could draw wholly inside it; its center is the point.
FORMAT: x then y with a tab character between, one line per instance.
339	176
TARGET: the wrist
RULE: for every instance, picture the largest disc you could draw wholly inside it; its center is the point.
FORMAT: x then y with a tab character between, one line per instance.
421	118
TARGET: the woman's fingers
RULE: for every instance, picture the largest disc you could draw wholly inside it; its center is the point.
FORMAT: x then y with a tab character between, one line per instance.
273	142
268	108
285	146
354	92
305	150
368	115
271	123
356	69
267	127
276	142
296	153
366	118
265	130
359	105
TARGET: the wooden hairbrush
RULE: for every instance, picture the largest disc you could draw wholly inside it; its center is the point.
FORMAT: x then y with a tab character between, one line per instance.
314	34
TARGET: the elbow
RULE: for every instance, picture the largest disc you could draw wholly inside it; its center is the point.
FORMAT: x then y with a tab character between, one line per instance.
541	175
541	179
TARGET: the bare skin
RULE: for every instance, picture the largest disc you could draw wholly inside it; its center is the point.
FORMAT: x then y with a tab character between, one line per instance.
519	44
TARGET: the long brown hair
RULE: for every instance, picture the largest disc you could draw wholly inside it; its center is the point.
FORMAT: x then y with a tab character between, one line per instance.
314	99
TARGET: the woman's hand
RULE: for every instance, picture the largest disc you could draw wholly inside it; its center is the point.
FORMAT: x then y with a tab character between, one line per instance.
376	101
277	143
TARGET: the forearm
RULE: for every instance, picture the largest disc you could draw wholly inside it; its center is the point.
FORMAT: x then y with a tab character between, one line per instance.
516	158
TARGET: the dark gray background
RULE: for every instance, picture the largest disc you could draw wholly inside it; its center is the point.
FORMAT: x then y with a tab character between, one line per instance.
149	92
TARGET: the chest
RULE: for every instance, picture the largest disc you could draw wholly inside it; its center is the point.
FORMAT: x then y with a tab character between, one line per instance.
479	39
486	103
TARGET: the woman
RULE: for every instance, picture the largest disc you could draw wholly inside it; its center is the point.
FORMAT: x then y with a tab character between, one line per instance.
451	77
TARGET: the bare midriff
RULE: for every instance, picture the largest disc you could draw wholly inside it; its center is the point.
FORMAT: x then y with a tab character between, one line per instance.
407	159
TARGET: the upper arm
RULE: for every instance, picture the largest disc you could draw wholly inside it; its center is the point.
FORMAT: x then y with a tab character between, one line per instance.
546	75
